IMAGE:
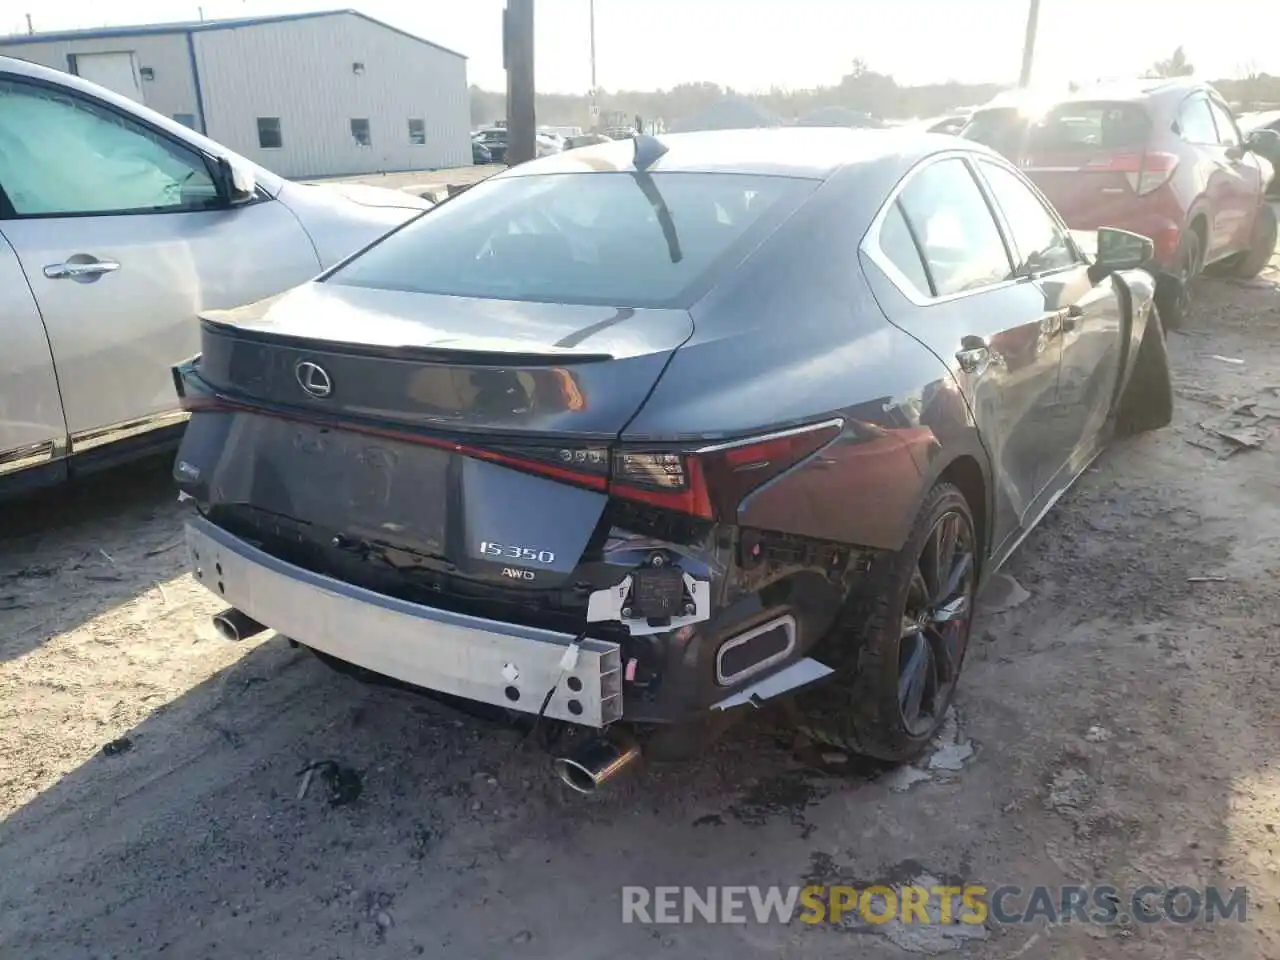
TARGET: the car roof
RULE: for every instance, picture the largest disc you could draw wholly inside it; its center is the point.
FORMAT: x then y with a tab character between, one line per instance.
1137	88
814	153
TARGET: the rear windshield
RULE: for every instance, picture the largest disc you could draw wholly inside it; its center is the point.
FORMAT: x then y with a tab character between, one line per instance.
1085	125
597	238
1091	125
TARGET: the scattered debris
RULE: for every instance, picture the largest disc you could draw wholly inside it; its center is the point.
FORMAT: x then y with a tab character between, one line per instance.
156	551
904	778
164	597
383	920
1070	790
1097	734
1213	579
953	749
1234	361
1241	428
1003	593
117	747
709	820
344	783
110	559
524	936
303	787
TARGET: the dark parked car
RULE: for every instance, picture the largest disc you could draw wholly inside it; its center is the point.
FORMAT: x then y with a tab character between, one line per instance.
1163	158
1263	133
493	139
645	433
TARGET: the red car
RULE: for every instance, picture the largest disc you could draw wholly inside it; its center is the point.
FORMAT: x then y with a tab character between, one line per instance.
1163	158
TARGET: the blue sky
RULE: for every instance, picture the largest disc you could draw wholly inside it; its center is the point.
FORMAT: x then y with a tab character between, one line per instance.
756	44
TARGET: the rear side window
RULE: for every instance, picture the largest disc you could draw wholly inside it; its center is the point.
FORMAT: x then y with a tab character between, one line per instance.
1228	135
957	233
899	248
1195	122
610	238
1101	125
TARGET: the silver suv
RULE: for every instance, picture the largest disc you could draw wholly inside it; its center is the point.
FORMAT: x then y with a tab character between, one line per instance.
118	226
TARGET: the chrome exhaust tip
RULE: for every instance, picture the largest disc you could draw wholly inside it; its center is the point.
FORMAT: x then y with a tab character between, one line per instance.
597	762
233	624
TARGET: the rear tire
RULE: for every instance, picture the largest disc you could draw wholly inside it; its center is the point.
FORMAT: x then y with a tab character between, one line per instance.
1261	248
1173	293
905	635
1147	402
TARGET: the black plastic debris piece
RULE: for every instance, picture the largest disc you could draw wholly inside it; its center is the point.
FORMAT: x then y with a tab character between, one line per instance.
116	747
344	783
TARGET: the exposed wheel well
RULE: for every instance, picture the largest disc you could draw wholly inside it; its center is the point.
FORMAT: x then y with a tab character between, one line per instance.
967	475
1201	228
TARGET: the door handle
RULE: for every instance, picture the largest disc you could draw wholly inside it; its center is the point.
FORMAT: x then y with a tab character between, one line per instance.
80	270
1071	317
974	355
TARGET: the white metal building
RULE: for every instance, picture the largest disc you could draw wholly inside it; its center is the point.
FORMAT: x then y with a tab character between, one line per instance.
307	95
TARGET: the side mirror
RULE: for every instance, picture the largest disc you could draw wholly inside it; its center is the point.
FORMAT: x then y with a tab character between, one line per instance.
236	184
1237	151
1123	250
1265	143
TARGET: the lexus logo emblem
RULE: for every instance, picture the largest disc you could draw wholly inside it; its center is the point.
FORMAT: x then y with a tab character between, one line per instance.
314	379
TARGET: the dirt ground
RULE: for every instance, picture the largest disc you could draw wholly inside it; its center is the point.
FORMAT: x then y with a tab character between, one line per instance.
1118	725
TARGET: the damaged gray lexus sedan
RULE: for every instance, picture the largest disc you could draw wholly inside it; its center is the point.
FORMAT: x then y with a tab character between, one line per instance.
645	434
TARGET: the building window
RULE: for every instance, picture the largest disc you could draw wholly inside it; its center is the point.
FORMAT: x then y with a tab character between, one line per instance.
186	119
418	132
269	137
360	133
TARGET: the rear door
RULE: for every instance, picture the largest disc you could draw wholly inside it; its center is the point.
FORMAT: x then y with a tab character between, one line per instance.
123	240
1089	158
1242	178
1213	177
957	293
1086	318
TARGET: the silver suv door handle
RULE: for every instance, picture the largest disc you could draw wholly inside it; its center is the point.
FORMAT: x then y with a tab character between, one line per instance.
75	271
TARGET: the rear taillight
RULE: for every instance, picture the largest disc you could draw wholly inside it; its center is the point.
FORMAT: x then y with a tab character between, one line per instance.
707	482
1145	172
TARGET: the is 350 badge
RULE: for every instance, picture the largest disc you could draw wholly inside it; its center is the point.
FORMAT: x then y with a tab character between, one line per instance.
506	551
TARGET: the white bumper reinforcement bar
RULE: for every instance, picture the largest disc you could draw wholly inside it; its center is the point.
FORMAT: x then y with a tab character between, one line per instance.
484	660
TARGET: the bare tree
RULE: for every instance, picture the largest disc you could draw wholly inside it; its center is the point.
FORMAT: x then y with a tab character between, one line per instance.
1176	66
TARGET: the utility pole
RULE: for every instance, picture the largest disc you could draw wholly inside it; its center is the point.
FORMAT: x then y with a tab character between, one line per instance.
595	103
1029	44
31	29
517	49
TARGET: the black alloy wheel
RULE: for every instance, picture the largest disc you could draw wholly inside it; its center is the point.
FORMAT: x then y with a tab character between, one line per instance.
898	649
935	624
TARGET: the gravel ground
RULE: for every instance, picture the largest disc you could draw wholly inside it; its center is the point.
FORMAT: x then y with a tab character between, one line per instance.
1117	723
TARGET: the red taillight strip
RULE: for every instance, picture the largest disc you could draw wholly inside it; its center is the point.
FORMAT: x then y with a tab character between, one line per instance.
220	404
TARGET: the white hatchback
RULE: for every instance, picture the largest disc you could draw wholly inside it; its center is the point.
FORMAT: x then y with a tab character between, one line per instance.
117	227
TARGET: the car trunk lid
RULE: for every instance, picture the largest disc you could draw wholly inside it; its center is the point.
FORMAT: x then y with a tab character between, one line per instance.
429	435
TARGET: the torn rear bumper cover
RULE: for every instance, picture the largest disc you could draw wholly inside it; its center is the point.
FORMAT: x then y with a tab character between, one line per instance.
483	660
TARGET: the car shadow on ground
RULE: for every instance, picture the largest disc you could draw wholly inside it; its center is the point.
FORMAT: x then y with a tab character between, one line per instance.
99	541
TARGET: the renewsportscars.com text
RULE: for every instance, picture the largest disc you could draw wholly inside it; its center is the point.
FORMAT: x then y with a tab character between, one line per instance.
974	904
